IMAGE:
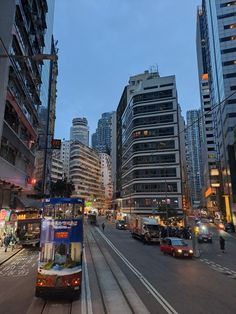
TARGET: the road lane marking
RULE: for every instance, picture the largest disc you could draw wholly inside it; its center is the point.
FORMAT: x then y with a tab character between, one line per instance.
221	269
86	303
160	299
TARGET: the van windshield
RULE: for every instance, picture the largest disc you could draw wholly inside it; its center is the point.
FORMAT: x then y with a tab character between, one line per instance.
153	227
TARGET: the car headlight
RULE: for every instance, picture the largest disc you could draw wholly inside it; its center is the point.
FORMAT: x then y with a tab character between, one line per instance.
179	251
191	251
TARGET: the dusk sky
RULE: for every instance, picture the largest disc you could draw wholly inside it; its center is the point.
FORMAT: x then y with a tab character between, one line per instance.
104	42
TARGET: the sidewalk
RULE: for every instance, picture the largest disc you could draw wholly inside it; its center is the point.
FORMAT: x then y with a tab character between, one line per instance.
4	256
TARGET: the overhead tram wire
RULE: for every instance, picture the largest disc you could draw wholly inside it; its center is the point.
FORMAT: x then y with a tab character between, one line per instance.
210	111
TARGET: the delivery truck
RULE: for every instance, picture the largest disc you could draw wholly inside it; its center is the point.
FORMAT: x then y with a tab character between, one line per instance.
146	229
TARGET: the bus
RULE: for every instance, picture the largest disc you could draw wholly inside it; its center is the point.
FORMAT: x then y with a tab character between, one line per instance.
61	248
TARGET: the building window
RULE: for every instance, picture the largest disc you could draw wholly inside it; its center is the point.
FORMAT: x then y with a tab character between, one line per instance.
223	16
228	4
228	38
229	75
226	63
230	26
229	50
153	95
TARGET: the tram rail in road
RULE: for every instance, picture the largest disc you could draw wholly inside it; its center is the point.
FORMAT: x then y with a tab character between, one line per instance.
117	294
158	297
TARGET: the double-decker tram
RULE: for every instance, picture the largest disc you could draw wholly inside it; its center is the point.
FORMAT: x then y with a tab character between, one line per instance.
61	247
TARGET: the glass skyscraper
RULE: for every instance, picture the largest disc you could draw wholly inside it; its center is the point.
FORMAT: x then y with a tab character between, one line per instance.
219	36
101	140
194	156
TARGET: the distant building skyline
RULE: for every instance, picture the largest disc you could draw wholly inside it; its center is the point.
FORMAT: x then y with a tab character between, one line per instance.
101	139
194	156
79	130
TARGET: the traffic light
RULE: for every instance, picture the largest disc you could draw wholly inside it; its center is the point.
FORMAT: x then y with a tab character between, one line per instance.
56	144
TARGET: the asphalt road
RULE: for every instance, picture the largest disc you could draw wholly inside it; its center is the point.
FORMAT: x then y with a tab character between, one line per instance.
17	277
203	285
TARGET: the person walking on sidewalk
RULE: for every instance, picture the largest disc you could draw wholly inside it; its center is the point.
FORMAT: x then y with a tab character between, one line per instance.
103	226
6	241
222	244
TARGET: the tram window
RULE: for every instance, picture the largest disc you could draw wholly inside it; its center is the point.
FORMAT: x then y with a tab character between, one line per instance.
48	211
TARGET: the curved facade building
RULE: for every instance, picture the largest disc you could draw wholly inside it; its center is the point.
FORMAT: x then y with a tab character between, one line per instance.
85	173
150	147
80	131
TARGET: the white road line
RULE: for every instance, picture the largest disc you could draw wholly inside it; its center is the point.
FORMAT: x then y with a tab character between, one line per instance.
160	299
86	304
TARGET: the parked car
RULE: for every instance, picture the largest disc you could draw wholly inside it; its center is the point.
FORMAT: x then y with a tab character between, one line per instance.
176	247
229	227
121	224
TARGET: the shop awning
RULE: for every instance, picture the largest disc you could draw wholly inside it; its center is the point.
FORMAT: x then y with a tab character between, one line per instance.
27	202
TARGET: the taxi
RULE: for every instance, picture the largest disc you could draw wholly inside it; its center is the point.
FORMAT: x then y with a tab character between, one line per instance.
176	247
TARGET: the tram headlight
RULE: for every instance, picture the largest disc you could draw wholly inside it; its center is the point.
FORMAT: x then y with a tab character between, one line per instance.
75	282
41	282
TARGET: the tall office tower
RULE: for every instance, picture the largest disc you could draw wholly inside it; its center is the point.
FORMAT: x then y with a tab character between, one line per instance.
106	179
219	31
194	156
102	140
150	147
210	164
85	174
22	33
80	131
113	152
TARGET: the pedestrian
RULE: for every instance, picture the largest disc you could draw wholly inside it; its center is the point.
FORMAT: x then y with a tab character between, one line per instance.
6	241
103	226
222	244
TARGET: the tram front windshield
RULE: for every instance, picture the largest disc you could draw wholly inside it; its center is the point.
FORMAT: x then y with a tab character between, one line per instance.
63	211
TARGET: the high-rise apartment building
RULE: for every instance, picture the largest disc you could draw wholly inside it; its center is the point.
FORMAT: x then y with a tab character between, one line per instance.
194	156
56	168
85	174
101	140
80	131
106	179
23	25
218	18
150	146
65	158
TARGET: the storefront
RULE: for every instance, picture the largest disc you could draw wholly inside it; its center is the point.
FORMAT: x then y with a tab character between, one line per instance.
8	222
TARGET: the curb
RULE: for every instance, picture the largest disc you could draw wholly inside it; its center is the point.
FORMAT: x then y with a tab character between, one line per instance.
9	257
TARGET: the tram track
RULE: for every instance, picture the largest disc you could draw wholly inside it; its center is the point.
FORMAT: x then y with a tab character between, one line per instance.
41	306
124	294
